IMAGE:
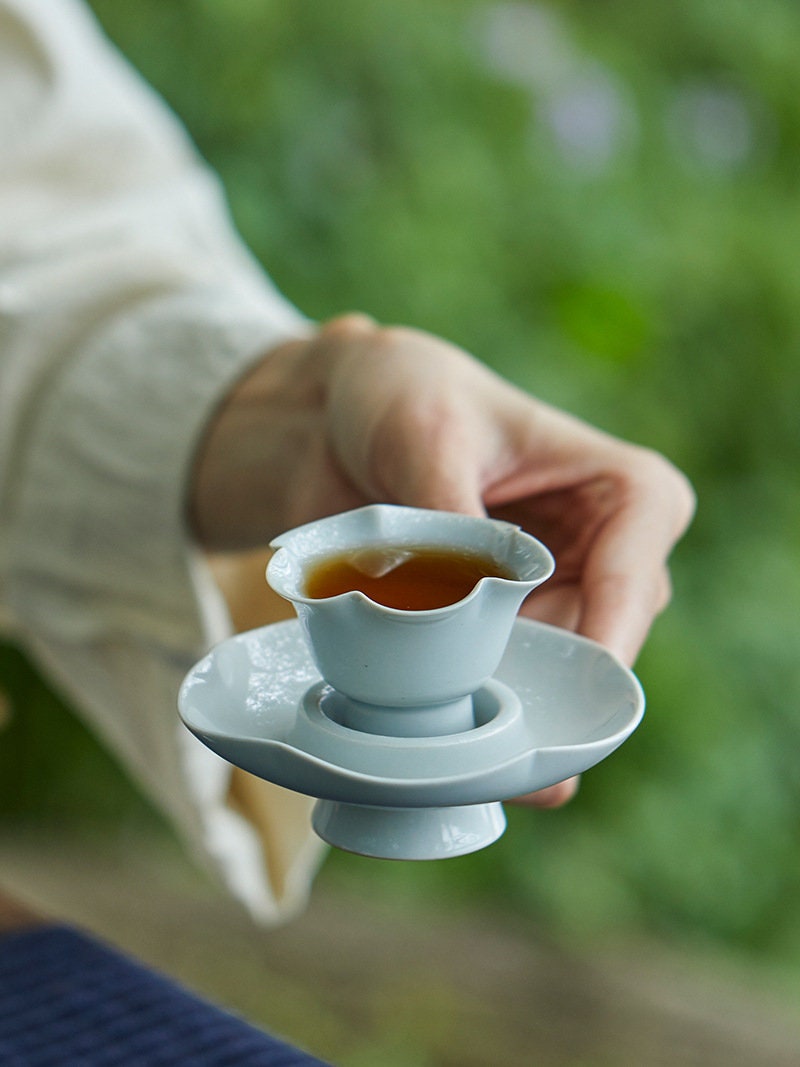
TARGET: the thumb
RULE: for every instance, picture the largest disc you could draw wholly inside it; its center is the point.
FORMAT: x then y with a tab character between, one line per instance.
431	466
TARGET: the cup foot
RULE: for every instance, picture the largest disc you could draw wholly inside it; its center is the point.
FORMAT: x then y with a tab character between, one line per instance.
408	833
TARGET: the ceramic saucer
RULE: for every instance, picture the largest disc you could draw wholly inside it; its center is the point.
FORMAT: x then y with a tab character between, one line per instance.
557	705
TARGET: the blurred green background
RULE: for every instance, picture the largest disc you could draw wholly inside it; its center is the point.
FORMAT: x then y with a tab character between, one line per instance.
599	199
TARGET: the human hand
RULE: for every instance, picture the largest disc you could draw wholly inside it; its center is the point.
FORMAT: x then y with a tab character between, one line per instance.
361	413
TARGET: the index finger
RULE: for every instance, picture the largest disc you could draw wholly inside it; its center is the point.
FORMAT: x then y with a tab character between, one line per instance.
626	581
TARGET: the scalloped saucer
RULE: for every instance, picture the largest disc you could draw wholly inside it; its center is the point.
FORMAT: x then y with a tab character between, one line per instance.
557	705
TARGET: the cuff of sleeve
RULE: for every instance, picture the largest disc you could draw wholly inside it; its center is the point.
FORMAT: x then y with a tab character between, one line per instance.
106	589
98	542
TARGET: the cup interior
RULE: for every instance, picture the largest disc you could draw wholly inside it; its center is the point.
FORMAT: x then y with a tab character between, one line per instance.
378	531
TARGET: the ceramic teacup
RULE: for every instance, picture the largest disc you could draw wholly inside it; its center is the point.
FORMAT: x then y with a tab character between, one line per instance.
408	658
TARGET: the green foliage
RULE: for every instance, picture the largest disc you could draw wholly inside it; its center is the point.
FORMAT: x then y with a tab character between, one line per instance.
376	159
51	768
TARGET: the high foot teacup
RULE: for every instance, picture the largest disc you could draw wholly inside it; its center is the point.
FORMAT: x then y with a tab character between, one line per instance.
419	666
428	714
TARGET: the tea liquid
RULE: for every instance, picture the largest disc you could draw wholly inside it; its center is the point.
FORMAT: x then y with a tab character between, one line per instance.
408	578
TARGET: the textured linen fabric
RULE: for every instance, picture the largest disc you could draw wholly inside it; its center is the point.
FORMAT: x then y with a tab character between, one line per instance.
68	1000
128	307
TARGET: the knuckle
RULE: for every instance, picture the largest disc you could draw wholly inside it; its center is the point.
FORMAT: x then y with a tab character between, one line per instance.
396	335
351	323
664	591
655	470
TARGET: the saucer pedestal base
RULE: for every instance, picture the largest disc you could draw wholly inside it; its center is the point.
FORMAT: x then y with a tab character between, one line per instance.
408	833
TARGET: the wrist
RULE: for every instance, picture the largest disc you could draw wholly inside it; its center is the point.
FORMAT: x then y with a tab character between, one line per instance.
254	450
269	459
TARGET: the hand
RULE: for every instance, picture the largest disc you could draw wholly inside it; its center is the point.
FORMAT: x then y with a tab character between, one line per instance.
361	413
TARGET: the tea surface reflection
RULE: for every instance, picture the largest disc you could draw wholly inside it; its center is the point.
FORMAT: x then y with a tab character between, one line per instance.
404	577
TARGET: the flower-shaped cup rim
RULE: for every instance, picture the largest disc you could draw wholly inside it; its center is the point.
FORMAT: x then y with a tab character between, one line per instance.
287	563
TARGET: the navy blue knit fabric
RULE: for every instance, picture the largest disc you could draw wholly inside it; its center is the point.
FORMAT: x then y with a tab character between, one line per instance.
67	1000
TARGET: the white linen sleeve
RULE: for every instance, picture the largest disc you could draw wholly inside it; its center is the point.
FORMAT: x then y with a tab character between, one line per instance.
128	307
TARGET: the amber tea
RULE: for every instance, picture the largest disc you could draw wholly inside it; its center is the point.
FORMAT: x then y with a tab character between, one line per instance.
408	578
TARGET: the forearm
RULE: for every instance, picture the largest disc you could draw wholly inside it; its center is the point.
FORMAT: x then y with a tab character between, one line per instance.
128	310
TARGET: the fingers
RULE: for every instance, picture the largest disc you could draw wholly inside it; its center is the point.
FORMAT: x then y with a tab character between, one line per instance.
626	582
414	421
348	325
555	796
557	605
425	458
410	416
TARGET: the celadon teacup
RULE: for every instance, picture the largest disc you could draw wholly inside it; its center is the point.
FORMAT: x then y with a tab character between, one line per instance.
401	659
